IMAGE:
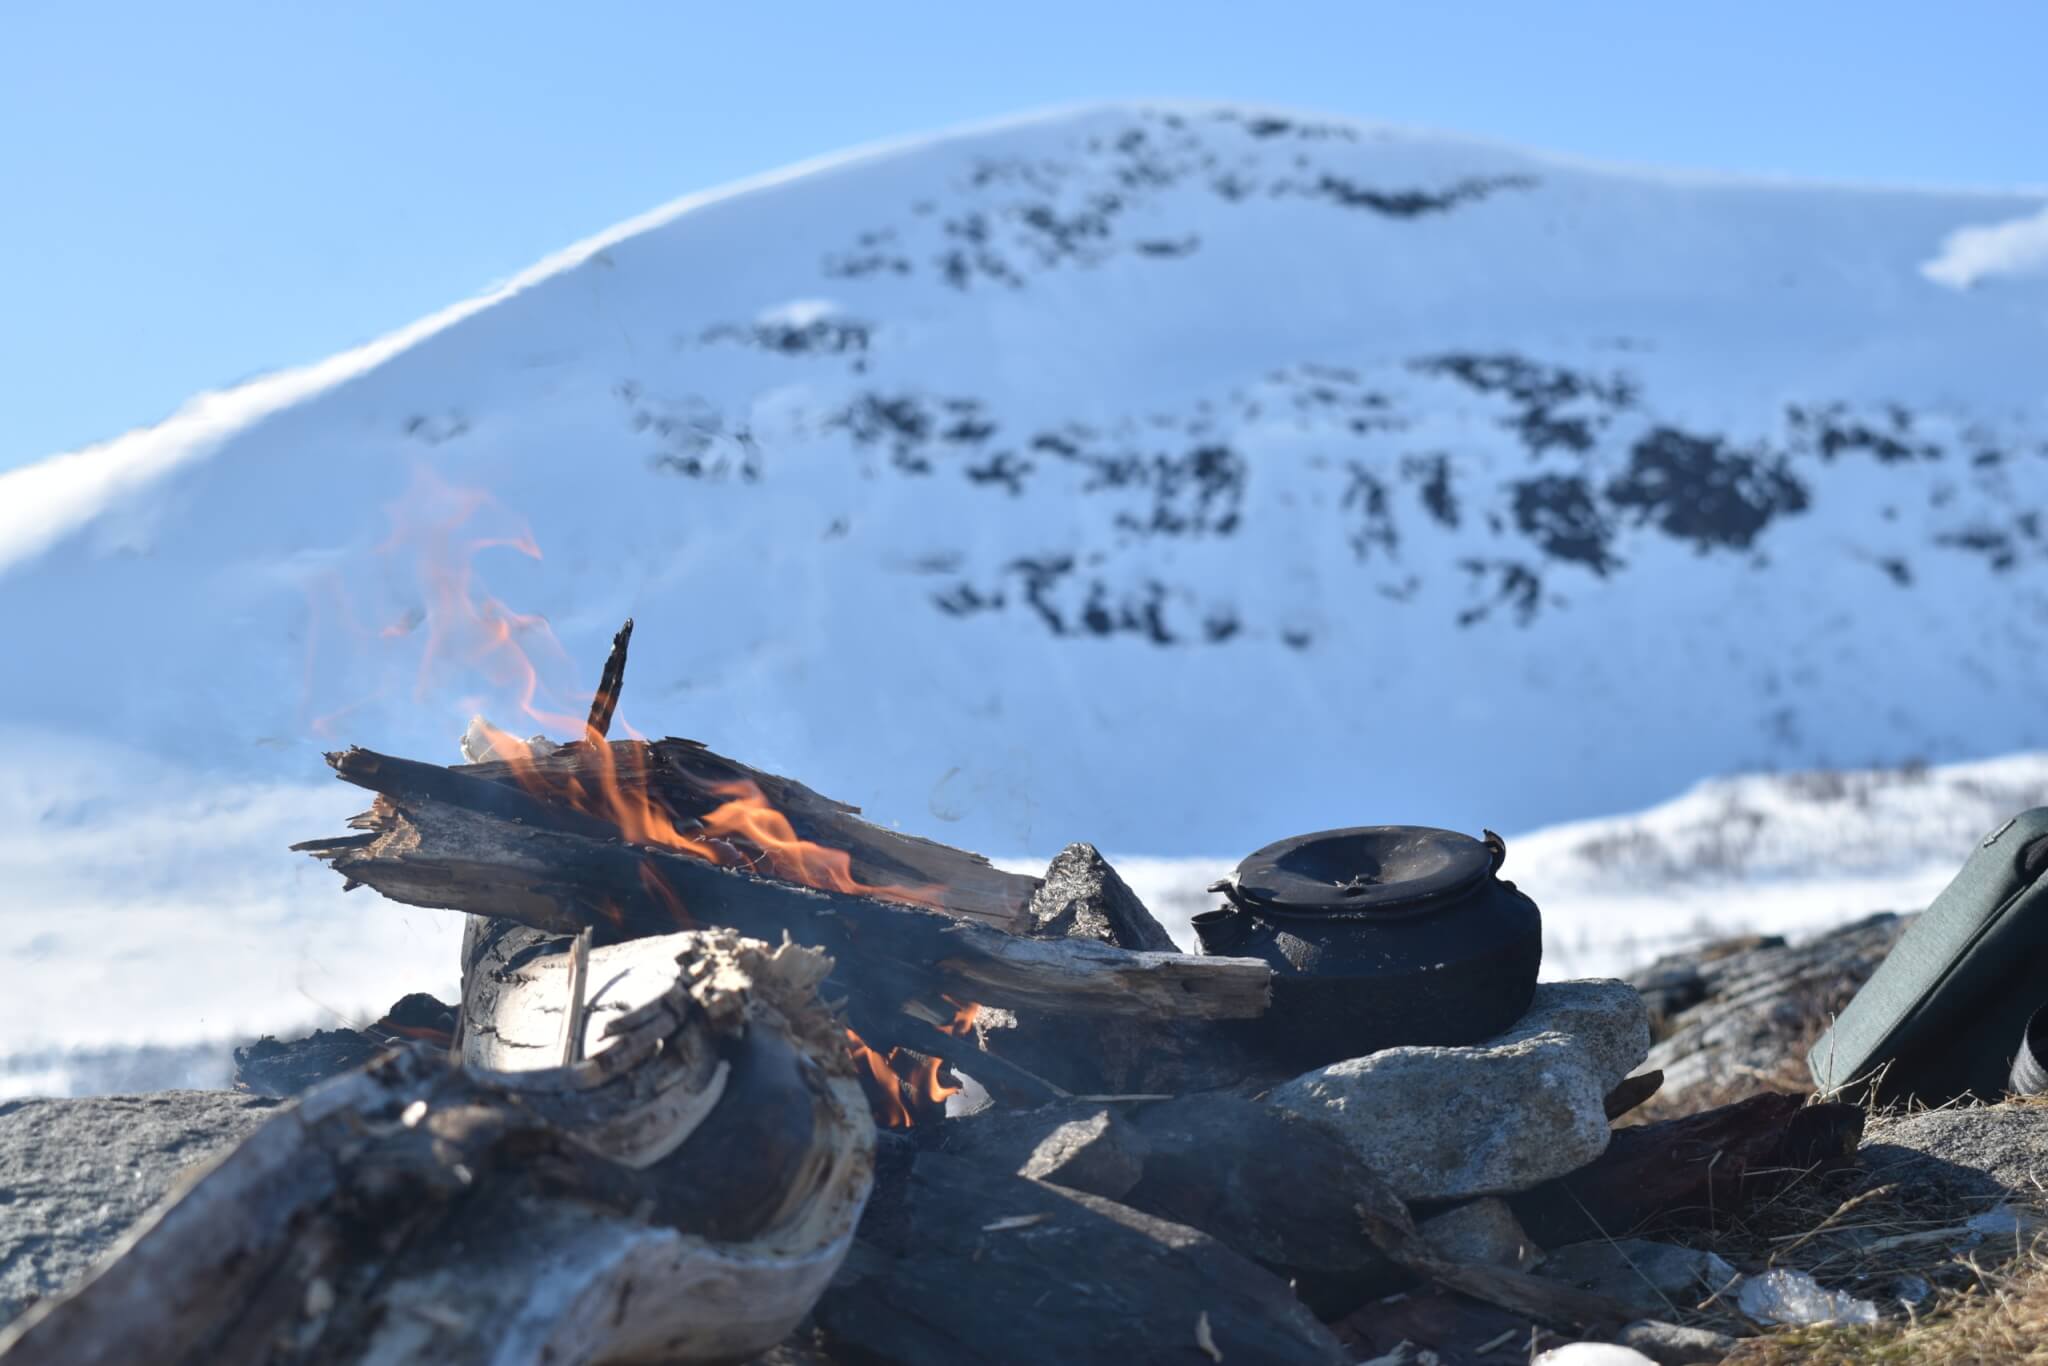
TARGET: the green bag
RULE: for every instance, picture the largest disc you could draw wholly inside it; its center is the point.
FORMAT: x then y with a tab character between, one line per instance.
1947	1013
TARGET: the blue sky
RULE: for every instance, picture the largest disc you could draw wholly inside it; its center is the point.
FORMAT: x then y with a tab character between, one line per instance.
196	193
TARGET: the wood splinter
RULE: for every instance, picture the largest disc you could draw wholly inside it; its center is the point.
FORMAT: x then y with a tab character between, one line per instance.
609	685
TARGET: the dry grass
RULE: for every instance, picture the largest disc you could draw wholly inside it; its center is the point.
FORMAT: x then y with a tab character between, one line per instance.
2002	1317
1987	1297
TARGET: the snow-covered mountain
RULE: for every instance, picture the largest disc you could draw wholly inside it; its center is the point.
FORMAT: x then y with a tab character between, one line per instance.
1171	477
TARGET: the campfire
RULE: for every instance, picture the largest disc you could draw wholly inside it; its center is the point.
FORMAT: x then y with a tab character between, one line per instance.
733	1067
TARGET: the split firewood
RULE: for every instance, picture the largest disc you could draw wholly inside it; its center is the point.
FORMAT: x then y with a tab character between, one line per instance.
609	684
1699	1170
684	1192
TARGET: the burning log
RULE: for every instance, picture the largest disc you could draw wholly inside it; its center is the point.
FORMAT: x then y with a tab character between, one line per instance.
679	795
474	839
686	1192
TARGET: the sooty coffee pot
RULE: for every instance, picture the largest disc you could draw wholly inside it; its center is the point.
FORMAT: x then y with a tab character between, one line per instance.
1379	935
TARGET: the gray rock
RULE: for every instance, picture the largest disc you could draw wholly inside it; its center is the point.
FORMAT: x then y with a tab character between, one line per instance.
75	1174
1669	1344
1092	1148
1747	1008
1484	1231
1983	1151
1443	1123
1083	898
1647	1276
1099	1153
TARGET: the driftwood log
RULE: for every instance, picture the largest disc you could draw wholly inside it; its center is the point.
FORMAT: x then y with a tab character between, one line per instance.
474	839
684	1193
687	782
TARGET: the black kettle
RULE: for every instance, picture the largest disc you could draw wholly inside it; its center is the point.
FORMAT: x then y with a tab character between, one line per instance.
1379	935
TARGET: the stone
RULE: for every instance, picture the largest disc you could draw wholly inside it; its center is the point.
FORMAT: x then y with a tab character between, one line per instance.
1650	1277
1671	1344
1737	1015
1098	1153
76	1174
1984	1152
1082	897
1484	1231
1444	1123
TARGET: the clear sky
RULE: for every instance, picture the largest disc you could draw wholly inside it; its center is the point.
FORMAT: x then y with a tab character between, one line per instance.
192	193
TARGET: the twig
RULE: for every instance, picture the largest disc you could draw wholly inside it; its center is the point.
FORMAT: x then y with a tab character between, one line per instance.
608	685
572	1018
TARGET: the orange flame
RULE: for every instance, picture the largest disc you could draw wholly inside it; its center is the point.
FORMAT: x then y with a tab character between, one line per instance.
464	630
963	1017
897	1099
744	831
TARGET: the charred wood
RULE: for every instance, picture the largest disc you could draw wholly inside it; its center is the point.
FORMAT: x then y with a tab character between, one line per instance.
452	839
684	1193
689	781
609	684
1699	1170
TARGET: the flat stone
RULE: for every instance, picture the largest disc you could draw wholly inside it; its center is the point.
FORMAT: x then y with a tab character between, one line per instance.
1443	1123
1649	1277
75	1174
1483	1231
1988	1152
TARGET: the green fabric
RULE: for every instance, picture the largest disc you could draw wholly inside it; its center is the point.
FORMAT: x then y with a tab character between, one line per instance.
1944	1013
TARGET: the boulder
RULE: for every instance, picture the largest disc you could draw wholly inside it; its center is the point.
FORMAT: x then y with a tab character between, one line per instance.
76	1174
1444	1123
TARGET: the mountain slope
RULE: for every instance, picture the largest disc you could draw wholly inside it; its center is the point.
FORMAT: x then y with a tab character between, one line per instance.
1174	478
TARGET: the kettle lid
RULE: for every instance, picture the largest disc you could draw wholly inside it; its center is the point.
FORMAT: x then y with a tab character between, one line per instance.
1363	870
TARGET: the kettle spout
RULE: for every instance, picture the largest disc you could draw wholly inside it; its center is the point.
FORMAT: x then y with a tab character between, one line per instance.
1222	931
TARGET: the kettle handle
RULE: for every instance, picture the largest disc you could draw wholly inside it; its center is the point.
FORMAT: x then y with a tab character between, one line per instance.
1496	846
1228	886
